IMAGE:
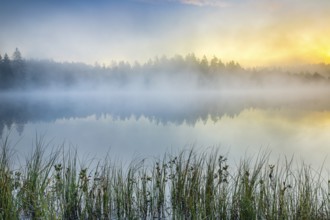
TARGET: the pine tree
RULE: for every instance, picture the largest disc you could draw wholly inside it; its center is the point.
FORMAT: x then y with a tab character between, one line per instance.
6	72
17	56
18	68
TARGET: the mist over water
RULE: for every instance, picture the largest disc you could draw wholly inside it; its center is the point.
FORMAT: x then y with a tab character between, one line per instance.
167	105
162	107
129	124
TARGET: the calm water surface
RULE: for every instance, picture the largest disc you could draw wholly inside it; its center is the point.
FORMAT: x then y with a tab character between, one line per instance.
147	124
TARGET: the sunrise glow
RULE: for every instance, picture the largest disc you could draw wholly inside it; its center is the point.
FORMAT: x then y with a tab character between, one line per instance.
253	33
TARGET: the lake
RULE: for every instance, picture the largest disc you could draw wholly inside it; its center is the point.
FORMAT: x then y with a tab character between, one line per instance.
134	124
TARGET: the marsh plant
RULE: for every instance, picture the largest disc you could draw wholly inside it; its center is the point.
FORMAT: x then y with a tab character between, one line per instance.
187	185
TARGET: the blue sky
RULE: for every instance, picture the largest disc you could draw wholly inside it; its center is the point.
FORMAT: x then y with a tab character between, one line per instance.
253	32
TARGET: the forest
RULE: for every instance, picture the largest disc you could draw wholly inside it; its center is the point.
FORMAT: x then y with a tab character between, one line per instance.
187	185
179	72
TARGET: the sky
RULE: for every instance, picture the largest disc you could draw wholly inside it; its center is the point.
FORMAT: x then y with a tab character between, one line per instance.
251	32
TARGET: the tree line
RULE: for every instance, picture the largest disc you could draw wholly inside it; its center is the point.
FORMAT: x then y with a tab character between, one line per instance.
19	73
11	70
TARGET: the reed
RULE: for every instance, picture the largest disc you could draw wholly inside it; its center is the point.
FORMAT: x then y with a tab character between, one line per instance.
187	185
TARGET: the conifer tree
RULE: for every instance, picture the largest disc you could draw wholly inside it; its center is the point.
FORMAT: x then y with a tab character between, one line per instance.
18	68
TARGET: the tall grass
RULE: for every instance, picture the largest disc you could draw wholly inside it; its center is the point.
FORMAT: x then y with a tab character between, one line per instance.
188	185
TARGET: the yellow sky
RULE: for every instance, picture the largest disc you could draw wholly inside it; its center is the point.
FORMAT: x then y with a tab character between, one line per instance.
251	32
268	34
269	47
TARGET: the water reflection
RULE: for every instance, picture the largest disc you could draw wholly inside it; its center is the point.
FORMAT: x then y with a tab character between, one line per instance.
147	123
185	107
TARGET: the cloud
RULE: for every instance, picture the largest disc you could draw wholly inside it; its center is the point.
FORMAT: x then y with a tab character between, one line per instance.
216	3
201	3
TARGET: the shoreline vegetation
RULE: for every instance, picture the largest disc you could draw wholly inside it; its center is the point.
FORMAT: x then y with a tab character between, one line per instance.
187	185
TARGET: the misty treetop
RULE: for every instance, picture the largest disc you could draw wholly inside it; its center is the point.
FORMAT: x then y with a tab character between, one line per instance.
11	70
178	72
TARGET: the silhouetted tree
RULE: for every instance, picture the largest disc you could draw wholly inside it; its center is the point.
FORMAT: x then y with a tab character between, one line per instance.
233	66
17	56
216	64
204	65
6	59
177	64
192	61
18	68
6	73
